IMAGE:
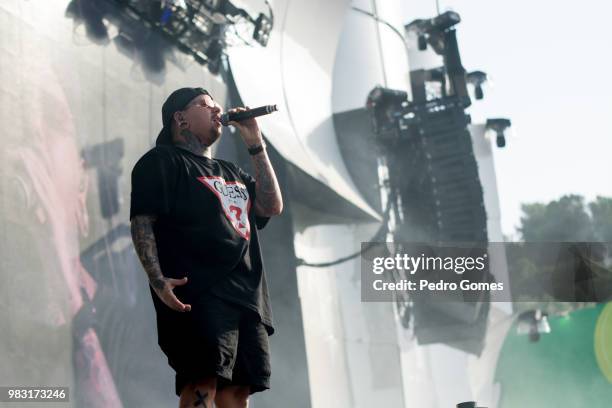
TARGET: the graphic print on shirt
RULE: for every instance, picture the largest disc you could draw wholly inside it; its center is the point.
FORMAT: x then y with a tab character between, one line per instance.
235	201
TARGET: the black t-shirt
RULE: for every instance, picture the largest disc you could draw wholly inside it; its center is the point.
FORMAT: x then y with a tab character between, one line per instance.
206	227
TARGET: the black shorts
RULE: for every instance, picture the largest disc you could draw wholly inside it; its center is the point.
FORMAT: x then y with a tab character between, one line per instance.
217	338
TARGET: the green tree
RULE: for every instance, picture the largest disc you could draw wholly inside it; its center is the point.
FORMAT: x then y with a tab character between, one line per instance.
562	220
567	219
601	213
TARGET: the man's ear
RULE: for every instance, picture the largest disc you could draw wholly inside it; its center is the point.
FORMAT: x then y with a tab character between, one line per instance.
178	117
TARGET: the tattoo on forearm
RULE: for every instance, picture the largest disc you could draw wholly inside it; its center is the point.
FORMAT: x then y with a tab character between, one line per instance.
157	283
267	188
146	248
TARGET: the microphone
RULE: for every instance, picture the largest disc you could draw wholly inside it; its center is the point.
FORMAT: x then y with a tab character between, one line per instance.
253	113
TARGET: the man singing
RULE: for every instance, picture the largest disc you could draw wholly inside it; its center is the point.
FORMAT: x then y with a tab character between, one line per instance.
194	222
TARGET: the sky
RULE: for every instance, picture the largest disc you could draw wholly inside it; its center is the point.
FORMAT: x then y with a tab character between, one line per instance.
550	62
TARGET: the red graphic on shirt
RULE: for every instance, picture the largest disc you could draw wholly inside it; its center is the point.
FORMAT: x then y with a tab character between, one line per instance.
235	201
237	213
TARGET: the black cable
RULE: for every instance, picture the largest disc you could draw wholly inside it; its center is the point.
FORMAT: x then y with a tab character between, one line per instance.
271	17
384	228
380	20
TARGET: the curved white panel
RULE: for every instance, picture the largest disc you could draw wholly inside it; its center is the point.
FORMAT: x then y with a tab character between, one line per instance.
295	72
364	61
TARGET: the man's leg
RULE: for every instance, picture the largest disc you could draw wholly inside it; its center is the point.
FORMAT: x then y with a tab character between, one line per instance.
200	394
252	365
233	396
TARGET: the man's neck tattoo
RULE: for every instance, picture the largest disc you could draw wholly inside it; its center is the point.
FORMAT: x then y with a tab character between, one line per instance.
193	144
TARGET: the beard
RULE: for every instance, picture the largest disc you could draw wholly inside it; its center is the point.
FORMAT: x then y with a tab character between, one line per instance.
215	133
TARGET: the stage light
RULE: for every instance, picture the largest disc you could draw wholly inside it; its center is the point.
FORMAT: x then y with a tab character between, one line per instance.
438	32
174	21
263	27
202	24
195	27
477	78
499	126
445	20
387	107
422	42
500	141
384	96
387	101
174	4
169	8
431	30
227	9
533	323
91	14
419	27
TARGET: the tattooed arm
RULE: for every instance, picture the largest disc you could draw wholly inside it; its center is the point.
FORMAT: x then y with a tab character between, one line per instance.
268	199
146	248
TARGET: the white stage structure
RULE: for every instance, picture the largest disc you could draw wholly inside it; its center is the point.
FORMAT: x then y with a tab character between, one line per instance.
62	95
323	58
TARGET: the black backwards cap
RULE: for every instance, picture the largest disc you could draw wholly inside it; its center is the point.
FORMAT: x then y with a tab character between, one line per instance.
175	102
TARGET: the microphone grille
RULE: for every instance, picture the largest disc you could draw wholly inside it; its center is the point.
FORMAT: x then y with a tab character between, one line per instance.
224	118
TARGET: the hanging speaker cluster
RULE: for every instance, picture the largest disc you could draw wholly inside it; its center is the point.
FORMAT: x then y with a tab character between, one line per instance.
434	171
451	187
434	175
